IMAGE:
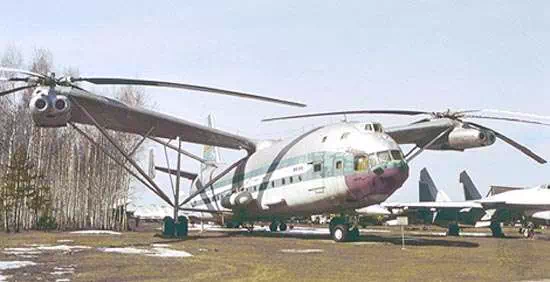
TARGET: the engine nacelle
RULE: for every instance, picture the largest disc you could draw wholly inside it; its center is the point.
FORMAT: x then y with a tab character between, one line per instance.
466	138
237	200
49	109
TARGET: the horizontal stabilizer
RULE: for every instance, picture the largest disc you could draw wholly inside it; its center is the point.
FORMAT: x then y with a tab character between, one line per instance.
184	174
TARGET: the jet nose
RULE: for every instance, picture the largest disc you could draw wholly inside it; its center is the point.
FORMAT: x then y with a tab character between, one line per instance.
379	183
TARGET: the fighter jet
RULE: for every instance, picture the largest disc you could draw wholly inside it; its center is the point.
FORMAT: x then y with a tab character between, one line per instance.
530	206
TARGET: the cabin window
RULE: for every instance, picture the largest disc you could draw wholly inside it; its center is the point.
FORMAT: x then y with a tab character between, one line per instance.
368	127
299	178
272	183
324	139
291	179
317	167
254	188
396	155
344	136
283	181
361	163
339	165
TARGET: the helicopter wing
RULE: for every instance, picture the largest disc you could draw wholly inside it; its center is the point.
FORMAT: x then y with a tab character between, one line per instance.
419	133
115	115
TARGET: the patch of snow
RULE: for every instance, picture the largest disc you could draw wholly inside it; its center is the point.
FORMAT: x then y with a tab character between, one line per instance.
63	280
62	270
160	245
96	232
65	241
4	265
62	248
127	250
21	251
302	251
163	252
154	252
306	230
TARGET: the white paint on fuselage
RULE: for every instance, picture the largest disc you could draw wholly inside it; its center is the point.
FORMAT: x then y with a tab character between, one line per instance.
303	197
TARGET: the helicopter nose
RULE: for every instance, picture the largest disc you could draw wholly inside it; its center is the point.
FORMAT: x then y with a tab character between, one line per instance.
379	183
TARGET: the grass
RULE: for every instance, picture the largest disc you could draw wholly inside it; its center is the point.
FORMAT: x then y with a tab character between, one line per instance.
235	255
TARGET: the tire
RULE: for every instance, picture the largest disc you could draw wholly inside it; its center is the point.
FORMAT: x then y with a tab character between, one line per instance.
282	227
273	227
340	233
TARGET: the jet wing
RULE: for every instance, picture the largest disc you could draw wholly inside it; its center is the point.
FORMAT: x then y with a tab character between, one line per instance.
115	115
511	205
419	133
434	205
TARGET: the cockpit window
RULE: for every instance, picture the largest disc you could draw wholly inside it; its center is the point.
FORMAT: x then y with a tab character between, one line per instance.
384	156
396	155
368	127
361	163
373	160
378	127
344	136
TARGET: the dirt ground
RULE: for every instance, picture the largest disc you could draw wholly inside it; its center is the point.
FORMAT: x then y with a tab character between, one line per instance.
303	254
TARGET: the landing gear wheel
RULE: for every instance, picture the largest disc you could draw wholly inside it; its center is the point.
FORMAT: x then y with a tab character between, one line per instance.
340	233
273	227
282	226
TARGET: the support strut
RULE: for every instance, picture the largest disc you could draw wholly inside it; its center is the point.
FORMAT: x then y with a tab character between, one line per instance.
158	193
120	150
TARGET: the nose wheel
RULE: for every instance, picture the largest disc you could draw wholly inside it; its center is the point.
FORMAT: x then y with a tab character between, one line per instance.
341	230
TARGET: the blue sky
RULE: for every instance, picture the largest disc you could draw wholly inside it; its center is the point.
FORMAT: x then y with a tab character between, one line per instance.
429	55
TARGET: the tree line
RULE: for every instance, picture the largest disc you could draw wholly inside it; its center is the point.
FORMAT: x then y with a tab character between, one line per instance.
54	178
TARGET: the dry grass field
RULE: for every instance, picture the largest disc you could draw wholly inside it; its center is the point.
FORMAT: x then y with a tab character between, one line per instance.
264	256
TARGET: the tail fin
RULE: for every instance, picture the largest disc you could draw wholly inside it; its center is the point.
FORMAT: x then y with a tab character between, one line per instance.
427	191
210	153
470	190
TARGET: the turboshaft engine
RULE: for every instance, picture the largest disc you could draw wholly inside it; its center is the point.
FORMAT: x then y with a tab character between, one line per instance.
49	109
466	138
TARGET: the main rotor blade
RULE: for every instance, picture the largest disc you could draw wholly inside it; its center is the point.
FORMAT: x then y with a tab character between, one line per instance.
508	119
13	90
22	71
385	112
127	81
516	145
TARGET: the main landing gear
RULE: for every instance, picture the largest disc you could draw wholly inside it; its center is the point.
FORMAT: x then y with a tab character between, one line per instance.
275	225
453	229
528	230
496	229
341	230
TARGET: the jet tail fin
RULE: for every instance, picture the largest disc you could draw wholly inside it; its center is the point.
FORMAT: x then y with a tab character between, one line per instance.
470	190
427	191
210	153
